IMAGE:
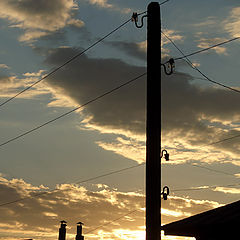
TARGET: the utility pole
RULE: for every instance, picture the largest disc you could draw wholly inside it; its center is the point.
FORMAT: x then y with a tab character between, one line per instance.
153	148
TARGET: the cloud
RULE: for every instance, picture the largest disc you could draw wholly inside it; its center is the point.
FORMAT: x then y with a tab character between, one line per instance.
38	217
232	23
139	49
193	116
208	22
39	18
101	3
11	85
129	148
4	66
106	5
227	190
205	43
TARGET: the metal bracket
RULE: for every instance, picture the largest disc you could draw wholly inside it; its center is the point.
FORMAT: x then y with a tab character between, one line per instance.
166	155
135	19
165	192
170	65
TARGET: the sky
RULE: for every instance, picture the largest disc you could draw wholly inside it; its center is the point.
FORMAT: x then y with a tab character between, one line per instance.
67	157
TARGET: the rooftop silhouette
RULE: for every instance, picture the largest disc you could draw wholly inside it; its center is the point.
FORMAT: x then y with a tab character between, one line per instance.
218	224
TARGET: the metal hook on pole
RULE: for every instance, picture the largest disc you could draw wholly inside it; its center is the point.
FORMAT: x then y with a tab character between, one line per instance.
170	65
135	19
166	155
165	192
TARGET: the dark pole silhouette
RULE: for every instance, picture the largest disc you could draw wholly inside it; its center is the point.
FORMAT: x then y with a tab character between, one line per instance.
62	231
153	160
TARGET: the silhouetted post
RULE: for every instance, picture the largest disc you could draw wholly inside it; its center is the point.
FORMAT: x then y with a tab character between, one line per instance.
153	174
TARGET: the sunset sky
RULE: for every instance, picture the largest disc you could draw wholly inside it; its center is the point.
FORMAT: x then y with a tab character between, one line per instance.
109	135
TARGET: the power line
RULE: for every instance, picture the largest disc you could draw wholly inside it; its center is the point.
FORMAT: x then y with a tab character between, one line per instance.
209	169
208	48
71	111
203	188
208	79
163	2
116	219
223	140
68	61
197	69
79	182
212	170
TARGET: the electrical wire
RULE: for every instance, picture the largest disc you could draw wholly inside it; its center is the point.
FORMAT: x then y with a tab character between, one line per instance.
211	169
208	79
67	62
223	140
163	2
208	48
78	182
197	69
71	111
203	188
119	171
116	219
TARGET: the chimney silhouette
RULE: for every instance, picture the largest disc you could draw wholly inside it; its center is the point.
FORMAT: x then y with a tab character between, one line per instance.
62	231
79	235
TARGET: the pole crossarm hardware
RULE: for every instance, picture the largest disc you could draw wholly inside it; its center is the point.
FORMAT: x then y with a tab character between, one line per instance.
166	155
135	19
165	192
170	65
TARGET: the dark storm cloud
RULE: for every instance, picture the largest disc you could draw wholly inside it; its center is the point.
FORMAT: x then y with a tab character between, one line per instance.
187	108
130	48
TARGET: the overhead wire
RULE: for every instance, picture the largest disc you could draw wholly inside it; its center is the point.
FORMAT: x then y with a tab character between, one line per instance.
115	172
223	140
197	69
78	182
206	78
206	49
211	169
67	62
71	111
204	188
113	221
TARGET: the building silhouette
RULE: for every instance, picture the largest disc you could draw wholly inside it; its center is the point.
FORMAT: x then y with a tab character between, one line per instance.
218	224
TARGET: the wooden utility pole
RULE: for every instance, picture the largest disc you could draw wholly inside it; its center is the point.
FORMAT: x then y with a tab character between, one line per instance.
153	148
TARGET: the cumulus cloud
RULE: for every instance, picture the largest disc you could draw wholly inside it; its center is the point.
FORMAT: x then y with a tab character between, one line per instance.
209	21
232	23
4	66
39	18
38	217
205	43
11	85
227	190
192	115
106	5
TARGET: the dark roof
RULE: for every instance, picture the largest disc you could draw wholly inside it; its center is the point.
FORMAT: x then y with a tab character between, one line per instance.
217	222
